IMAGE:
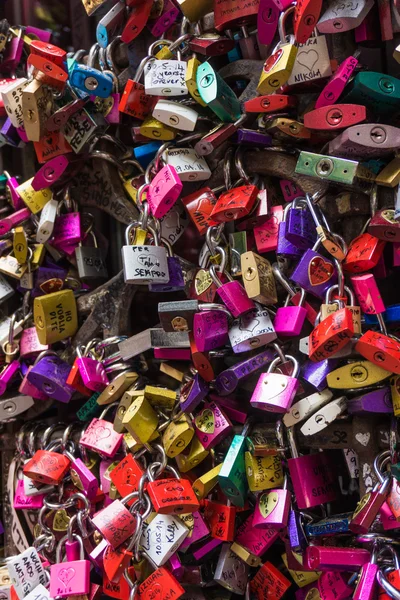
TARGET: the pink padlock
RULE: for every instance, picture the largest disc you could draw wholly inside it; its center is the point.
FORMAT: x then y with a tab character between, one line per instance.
82	477
67	230
70	578
290	190
267	21
272	508
337	83
24	502
257	541
211	425
8	374
92	372
275	392
13	220
266	234
289	320
29	344
115	522
368	294
199	532
101	437
164	190
232	294
210	329
50	172
11	191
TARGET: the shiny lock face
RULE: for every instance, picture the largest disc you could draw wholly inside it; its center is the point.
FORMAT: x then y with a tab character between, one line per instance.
357	375
277	69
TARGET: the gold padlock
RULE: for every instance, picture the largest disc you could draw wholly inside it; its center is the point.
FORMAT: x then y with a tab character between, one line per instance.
38	254
196	454
160	397
35	201
263	472
204	484
116	388
248	557
178	435
191	80
155	130
55	316
390	175
141	420
37	105
123	406
258	278
20	245
11	267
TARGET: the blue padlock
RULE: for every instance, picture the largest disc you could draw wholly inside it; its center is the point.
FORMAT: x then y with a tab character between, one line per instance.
391	315
144	154
91	81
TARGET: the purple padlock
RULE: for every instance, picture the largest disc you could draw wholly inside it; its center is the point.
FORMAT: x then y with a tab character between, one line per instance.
211	425
285	247
300	225
256	138
210	329
315	273
176	282
44	274
227	381
49	373
192	393
315	373
12	54
27	388
377	401
9	134
7	375
67	230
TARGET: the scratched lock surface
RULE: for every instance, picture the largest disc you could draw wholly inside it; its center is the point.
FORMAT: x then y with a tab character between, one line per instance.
199	253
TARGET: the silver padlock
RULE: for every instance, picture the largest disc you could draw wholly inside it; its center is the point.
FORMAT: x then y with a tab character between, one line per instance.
6	290
231	571
144	264
90	262
189	165
46	222
301	410
343	16
175	115
162	537
12	100
312	61
252	330
165	78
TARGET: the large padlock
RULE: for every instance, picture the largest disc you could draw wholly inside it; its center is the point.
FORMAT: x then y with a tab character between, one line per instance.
275	392
144	264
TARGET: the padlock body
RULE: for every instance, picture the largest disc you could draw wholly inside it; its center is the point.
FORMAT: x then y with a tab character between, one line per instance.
145	264
314	273
274	392
313	479
272	509
331	335
235	298
55	316
210	330
93	373
289	320
381	350
70	578
172	496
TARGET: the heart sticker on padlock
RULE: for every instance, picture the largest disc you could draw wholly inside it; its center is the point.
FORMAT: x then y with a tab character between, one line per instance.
268	503
66	575
319	271
205	421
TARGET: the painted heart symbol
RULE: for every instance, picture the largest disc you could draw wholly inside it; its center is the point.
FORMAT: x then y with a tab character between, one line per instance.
308	59
171	220
155	592
363	438
319	271
268	503
102	433
250	325
66	575
205	421
202	281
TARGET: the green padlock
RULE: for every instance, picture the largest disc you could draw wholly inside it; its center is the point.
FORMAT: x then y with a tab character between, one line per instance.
232	477
217	94
377	91
339	170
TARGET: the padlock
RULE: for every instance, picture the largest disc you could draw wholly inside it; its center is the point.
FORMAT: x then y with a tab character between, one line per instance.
192	393
140	419
61	582
278	67
300	229
263	472
272	508
91	370
36	108
227	381
335	116
135	101
217	94
160	583
232	294
329	307
144	264
266	235
189	165
171	496
384	226
232	476
176	282
331	335
314	272
177	435
363	254
26	572
324	416
339	18
312	61
165	78
312	476
100	437
168	16
47	467
156	540
340	559
211	425
163	191
268	577
174	114
289	320
90	262
220	518
115	522
49	374
210	329
55	316
369	506
275	392
251	330
284	246
231	572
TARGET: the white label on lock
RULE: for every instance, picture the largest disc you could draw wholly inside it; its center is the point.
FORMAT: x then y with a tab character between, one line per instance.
312	61
304	407
352	463
78	129
162	537
12	100
189	165
6	291
46	222
26	572
39	593
165	78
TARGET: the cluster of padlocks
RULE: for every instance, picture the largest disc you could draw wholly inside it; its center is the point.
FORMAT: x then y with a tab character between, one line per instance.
201	391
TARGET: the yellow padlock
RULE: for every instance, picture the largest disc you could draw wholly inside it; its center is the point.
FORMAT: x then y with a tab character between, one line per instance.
263	472
39	252
141	420
191	80
133	445
204	484
35	201
116	388
395	391
177	436
160	397
356	375
258	278
197	453
248	557
302	578
155	130
20	245
55	316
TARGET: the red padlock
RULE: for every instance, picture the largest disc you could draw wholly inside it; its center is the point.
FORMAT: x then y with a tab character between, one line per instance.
235	203
47	467
306	15
199	206
126	475
380	349
47	72
270	103
136	22
172	496
363	254
54	54
161	585
221	520
331	335
335	116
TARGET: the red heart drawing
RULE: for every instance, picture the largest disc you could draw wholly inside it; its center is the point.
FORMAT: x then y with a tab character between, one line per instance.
319	271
